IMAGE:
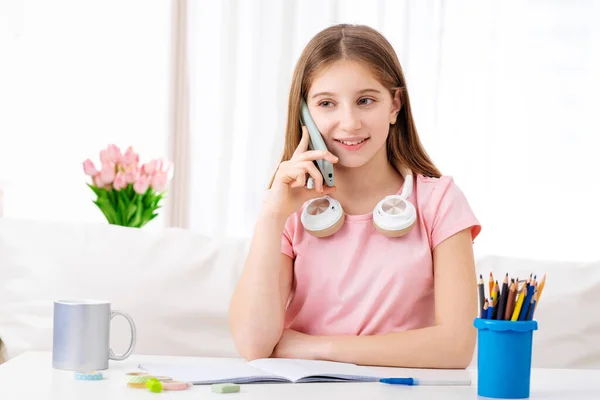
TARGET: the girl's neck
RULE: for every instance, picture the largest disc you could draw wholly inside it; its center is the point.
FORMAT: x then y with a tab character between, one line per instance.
360	189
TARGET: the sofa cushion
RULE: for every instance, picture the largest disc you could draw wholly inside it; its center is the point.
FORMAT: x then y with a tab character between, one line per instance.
175	284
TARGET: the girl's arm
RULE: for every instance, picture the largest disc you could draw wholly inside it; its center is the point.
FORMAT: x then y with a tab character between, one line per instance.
257	308
258	304
448	344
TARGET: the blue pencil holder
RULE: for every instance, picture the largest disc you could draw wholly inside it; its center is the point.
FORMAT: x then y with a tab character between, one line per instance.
504	358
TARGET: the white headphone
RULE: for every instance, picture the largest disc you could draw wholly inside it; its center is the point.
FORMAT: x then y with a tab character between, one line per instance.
393	216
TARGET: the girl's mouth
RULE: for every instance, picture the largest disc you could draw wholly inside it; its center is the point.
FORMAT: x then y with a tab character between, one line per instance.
352	144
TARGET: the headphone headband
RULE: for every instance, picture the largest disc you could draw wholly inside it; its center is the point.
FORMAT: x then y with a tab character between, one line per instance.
407	187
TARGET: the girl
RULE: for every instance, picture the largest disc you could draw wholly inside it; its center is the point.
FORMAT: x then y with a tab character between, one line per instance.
358	295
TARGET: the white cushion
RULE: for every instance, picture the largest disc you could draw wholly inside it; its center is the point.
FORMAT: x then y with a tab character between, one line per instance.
175	284
568	334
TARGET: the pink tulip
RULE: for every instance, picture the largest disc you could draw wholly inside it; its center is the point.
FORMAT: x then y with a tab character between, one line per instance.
89	169
130	157
142	184
164	165
159	181
104	158
120	182
112	154
98	182
108	172
150	167
132	173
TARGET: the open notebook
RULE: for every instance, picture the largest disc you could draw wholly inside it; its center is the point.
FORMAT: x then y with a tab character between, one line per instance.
203	371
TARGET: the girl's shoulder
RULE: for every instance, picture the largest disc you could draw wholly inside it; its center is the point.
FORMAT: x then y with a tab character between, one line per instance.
431	193
427	187
444	207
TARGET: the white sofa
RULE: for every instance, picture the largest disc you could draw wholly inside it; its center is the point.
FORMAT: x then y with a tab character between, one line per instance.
176	285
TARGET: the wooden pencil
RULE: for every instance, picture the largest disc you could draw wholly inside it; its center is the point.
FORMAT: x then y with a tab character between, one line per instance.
533	306
541	288
529	313
510	302
496	302
481	296
502	300
526	303
519	303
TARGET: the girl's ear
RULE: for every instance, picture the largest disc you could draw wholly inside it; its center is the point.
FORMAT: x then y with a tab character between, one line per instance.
396	106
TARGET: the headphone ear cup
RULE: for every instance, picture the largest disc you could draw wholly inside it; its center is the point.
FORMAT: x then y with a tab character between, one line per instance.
394	216
322	216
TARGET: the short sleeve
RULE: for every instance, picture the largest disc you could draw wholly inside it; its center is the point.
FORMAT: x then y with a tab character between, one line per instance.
287	238
449	212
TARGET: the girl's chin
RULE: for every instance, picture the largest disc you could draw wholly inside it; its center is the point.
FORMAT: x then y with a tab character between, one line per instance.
351	162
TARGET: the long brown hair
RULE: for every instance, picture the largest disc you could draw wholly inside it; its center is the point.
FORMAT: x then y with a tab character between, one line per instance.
363	44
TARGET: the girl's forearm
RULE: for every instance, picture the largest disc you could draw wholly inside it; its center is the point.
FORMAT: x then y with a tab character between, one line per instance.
431	347
256	312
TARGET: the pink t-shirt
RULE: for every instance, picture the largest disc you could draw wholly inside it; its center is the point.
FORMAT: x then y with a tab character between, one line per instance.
359	282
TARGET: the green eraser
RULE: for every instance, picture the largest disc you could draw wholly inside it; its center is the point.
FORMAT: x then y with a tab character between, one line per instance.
225	388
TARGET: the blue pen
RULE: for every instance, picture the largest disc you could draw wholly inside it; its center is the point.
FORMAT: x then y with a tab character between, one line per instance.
426	382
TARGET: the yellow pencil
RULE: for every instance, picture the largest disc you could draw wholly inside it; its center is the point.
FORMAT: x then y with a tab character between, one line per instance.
495	290
519	304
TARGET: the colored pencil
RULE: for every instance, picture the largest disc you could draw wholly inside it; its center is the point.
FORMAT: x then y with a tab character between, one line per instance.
490	311
532	310
510	300
526	303
510	303
541	288
519	303
496	297
481	296
502	301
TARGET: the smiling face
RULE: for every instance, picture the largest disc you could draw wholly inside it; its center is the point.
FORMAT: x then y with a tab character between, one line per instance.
353	112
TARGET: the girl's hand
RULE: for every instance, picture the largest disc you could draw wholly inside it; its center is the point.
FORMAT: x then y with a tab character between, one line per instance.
288	191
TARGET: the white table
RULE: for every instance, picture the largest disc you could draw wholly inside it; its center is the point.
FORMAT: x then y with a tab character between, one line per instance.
31	376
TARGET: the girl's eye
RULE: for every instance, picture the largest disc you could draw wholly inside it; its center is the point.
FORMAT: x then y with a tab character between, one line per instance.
321	104
367	99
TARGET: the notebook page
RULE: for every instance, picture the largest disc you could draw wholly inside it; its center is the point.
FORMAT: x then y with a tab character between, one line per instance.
314	370
211	370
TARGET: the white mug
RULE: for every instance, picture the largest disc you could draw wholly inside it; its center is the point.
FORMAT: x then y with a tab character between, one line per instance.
81	335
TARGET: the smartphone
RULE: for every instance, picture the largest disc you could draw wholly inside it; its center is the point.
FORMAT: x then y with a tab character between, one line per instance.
316	142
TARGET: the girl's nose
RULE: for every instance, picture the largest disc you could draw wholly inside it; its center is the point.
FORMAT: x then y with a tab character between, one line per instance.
349	119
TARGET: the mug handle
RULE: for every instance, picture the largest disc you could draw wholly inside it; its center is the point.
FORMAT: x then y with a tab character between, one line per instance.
121	357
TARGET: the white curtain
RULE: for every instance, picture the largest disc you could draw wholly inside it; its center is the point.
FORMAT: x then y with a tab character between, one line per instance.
74	77
504	95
